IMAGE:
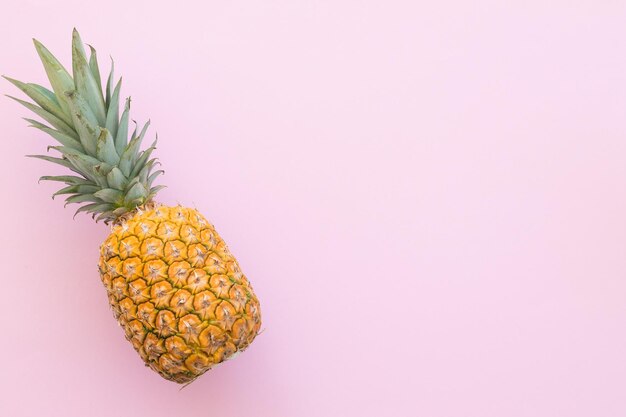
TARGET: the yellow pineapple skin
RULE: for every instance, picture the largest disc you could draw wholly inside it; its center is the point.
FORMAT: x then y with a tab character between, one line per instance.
177	291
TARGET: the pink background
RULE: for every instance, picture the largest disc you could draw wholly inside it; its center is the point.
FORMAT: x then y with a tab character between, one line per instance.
430	201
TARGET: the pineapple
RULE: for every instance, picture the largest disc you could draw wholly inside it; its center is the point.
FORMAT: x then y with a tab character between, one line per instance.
172	283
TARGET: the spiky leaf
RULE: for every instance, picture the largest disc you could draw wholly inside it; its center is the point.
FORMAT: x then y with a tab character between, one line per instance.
95	70
105	148
85	121
114	175
85	83
60	80
62	138
116	179
68	179
121	138
48	117
110	195
43	97
113	110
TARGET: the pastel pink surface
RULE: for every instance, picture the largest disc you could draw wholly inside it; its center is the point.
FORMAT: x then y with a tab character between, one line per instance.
429	199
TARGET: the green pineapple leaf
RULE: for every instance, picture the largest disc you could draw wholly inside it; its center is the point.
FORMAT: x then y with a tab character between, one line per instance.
113	110
95	70
113	175
121	138
84	120
85	83
110	195
60	80
47	116
105	149
116	179
43	97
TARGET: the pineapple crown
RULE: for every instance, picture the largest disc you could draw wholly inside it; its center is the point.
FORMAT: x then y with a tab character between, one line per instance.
113	176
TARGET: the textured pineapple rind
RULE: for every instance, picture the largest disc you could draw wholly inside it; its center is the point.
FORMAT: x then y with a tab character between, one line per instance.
178	292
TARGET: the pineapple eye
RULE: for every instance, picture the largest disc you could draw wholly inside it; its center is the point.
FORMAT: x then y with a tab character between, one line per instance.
175	250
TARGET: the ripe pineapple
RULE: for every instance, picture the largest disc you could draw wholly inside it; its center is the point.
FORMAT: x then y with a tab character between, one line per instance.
172	283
